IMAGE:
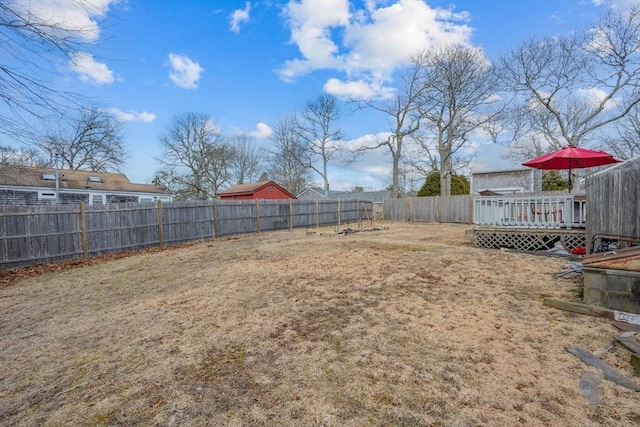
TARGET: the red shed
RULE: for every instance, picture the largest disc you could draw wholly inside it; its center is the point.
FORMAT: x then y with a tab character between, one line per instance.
256	190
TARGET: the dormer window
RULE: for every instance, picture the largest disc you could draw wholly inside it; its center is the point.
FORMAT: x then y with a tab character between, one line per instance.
95	179
48	177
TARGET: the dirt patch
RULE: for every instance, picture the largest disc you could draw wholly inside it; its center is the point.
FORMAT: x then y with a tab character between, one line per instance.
399	327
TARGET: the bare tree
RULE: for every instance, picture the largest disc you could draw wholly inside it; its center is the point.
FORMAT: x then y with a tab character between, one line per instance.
579	83
625	143
196	160
248	160
94	142
32	47
510	126
26	156
458	93
320	139
286	167
404	118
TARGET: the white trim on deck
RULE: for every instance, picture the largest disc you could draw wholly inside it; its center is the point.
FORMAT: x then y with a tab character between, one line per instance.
530	211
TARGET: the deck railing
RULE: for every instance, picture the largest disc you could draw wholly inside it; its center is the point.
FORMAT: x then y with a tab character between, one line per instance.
530	211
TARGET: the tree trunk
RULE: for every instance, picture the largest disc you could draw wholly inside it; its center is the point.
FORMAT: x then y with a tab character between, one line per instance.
395	183
445	177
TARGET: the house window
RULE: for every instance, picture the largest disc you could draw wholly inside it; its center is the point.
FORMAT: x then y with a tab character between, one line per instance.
95	179
96	199
271	188
46	195
145	199
48	177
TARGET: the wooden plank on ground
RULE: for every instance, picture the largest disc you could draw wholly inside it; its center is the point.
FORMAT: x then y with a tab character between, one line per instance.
608	346
609	372
629	343
635	362
634	319
623	326
577	307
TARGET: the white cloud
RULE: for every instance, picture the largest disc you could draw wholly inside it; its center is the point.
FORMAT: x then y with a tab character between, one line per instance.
184	72
130	116
594	96
75	17
239	16
311	23
358	89
366	44
90	70
619	5
262	131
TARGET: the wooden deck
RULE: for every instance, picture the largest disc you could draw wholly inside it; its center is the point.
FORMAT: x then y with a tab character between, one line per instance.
530	222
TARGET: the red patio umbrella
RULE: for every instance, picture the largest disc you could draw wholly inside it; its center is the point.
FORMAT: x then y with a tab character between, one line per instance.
571	157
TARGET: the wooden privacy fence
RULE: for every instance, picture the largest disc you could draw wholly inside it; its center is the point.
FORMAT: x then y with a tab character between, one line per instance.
454	209
613	207
42	234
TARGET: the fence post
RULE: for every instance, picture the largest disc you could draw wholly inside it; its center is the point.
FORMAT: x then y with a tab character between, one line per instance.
214	215
407	201
338	213
160	222
317	213
291	214
83	230
257	215
437	208
471	208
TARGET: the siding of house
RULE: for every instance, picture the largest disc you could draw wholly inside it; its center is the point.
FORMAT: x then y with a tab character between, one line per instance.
116	198
522	179
22	198
30	198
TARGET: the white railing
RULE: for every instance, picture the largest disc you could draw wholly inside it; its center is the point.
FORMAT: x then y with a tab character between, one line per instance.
531	211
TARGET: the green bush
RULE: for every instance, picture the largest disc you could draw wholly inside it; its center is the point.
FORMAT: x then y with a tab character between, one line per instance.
431	187
553	181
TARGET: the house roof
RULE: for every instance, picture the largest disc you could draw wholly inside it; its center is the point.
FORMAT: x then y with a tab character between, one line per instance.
28	176
251	188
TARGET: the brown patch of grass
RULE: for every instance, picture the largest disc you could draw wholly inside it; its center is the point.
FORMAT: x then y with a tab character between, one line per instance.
409	326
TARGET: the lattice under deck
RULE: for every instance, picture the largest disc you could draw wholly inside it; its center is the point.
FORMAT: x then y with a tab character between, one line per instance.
528	240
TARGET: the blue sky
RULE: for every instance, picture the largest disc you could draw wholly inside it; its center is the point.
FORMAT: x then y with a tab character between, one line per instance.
249	63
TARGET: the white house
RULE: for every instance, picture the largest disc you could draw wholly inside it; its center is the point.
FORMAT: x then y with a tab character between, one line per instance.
498	170
26	185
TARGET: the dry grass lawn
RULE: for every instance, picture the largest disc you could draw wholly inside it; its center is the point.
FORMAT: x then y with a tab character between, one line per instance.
410	326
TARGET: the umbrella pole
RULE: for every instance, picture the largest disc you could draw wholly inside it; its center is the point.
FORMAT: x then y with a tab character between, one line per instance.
569	180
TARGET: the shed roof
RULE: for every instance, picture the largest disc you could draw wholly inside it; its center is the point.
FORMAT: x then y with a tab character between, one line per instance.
28	176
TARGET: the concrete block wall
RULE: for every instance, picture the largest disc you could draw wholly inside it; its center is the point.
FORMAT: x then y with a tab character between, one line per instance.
614	289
